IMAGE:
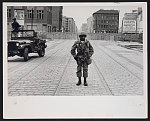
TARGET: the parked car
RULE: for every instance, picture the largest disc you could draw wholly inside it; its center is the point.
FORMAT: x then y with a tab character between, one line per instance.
24	42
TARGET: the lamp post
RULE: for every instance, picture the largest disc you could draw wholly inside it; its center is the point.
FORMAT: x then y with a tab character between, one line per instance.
32	20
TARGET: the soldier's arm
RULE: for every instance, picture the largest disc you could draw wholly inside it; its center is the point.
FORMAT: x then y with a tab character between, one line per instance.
12	25
18	25
73	49
91	50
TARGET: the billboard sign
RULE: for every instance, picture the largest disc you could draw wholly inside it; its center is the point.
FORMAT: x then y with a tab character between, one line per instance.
129	26
19	15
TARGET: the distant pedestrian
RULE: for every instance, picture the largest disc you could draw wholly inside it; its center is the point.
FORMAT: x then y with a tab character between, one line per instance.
15	25
82	57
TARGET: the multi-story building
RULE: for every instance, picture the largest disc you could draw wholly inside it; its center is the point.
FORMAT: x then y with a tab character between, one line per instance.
12	12
68	24
129	22
106	21
63	23
140	21
76	29
84	27
90	24
38	18
42	19
57	18
132	22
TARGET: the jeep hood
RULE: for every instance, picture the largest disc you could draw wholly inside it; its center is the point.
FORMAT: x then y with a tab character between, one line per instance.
21	41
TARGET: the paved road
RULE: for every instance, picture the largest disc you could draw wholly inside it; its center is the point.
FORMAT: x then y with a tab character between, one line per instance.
115	71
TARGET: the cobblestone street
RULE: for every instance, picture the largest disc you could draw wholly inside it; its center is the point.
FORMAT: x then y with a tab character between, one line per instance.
115	71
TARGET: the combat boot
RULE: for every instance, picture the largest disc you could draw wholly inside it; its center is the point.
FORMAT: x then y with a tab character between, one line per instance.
85	82
79	81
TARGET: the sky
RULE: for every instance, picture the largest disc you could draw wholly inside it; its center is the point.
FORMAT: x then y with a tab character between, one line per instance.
81	13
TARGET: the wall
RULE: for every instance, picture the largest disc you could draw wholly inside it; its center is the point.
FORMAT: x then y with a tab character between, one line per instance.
129	37
101	36
59	35
92	36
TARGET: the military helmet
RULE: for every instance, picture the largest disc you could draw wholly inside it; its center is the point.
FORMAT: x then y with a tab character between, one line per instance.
82	34
14	18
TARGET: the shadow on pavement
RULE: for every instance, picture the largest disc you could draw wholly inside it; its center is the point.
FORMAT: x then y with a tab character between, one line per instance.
21	59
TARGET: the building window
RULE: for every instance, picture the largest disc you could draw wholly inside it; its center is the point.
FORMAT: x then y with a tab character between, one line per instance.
49	28
8	13
40	14
29	14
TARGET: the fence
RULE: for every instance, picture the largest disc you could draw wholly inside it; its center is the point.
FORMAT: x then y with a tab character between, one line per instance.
92	36
101	36
130	37
61	35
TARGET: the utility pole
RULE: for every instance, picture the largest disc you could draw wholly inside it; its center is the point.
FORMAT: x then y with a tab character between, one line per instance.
122	30
32	20
136	28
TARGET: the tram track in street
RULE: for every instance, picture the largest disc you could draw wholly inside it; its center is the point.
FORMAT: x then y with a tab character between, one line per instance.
118	62
21	64
30	61
102	79
130	61
45	59
61	79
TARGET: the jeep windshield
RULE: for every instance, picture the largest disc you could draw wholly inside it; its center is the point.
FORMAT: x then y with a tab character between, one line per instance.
22	34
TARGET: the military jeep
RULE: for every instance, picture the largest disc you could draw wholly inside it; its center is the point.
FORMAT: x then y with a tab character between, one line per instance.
24	42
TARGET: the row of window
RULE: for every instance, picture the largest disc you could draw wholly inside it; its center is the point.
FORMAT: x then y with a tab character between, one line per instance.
39	14
30	14
106	31
107	26
8	13
107	17
49	28
107	21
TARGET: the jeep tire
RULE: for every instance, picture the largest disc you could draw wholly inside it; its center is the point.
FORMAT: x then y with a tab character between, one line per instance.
41	52
25	54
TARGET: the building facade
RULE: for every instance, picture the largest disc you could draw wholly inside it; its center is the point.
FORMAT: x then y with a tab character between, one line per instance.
90	24
140	20
133	22
84	27
57	18
129	22
106	21
39	18
68	25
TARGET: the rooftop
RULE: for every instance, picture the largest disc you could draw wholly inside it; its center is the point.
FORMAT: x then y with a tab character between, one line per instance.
106	11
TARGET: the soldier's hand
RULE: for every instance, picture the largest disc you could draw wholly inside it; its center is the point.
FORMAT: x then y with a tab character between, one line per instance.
88	57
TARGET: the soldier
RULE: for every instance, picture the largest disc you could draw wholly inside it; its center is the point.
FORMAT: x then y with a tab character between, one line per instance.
15	25
82	57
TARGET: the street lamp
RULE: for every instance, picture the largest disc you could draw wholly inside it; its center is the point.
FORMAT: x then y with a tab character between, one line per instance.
32	20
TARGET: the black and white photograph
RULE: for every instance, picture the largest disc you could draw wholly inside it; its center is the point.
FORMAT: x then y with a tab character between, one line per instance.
62	53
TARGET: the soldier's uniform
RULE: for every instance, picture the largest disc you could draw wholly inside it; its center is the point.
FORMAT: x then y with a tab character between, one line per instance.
84	52
15	26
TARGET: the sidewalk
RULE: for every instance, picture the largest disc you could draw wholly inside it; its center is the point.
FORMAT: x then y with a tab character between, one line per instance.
131	45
